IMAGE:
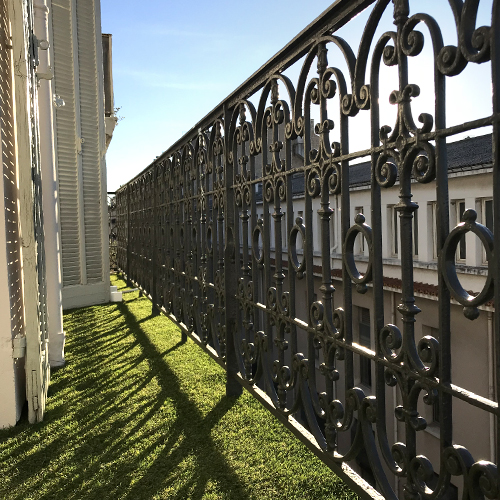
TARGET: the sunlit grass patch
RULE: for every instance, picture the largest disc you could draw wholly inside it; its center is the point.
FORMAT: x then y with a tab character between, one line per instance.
135	414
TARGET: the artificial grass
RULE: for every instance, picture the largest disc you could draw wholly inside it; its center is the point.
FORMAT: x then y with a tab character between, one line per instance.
135	414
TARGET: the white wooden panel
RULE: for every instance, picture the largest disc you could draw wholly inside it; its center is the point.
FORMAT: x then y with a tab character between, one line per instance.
67	141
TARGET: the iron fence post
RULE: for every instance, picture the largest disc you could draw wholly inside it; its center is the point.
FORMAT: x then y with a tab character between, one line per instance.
127	267
233	387
155	311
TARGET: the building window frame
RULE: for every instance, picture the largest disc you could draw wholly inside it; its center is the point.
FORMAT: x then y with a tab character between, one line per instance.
364	334
432	229
486	220
458	208
333	236
359	247
392	216
415	233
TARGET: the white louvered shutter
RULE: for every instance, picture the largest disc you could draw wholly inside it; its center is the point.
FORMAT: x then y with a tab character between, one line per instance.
67	136
89	118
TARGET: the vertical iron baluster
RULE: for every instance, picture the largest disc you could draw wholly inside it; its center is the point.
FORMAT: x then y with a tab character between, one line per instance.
232	264
495	73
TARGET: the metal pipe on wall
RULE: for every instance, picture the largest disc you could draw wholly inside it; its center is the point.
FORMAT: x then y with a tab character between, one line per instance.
49	188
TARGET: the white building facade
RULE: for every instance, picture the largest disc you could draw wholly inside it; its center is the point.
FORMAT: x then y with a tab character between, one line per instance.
54	229
473	366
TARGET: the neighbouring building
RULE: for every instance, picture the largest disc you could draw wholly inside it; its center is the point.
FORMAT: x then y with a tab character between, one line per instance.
470	172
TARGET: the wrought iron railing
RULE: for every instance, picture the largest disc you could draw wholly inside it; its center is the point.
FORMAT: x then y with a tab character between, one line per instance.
112	232
200	230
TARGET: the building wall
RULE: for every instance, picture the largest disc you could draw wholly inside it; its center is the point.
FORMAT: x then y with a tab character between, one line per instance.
12	388
77	56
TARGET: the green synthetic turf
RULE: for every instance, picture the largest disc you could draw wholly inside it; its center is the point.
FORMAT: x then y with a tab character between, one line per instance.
134	414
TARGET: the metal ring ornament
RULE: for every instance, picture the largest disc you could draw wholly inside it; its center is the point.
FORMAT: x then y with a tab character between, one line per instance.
334	179
422	166
313	182
386	172
247	195
281	187
238	197
483	478
389	55
447	264
258	231
181	237
194	239
422	472
360	227
292	247
285	303
249	291
391	340
209	240
339	323
390	377
269	191
241	288
316	314
428	352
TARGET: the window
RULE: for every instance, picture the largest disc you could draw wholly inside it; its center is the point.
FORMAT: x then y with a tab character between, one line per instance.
365	371
394	229
284	232
487	211
486	219
359	247
432	227
317	233
298	147
393	217
332	244
457	212
415	233
333	239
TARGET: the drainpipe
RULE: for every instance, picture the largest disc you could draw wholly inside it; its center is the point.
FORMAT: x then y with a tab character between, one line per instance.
49	187
491	383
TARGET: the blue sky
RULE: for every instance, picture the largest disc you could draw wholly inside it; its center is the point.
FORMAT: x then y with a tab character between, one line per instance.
175	61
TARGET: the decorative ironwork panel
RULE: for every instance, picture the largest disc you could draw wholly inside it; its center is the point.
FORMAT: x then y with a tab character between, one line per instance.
244	233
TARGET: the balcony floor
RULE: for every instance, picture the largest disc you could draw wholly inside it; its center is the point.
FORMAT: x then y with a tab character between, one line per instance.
135	414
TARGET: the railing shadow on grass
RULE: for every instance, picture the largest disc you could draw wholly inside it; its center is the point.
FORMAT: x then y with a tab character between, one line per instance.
210	461
95	410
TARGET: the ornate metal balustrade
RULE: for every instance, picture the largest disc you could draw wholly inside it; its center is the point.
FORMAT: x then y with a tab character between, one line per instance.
199	230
